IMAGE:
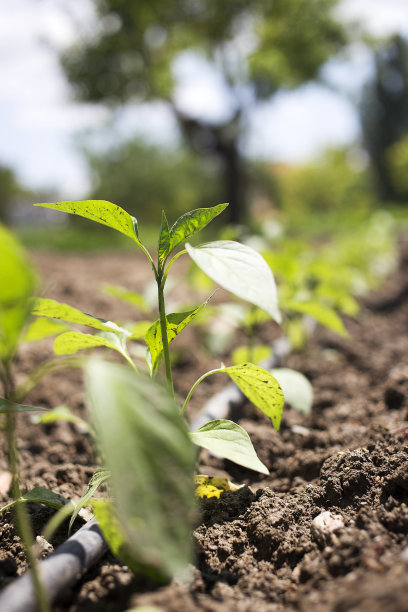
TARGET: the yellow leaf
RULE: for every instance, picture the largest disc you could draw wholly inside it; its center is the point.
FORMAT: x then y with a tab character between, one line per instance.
213	486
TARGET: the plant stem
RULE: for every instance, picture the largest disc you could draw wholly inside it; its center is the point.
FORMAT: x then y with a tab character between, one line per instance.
197	382
149	257
22	520
163	328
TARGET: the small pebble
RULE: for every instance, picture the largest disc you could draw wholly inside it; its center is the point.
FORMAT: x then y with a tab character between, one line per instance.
325	524
299	429
42	546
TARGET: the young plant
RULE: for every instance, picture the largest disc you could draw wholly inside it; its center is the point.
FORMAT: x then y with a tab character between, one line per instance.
17	286
17	282
139	424
232	265
309	290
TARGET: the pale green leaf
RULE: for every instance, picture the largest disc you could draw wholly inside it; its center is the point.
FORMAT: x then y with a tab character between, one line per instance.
17	283
146	447
192	222
324	315
241	270
230	441
59	413
100	211
176	322
72	342
42	328
46	307
296	388
7	406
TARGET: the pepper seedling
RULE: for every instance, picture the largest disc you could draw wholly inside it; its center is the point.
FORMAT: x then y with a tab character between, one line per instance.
234	266
140	426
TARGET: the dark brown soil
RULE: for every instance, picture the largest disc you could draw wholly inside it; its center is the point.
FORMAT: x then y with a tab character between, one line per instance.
326	531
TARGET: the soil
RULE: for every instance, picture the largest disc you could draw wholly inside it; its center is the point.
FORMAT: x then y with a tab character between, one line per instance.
327	529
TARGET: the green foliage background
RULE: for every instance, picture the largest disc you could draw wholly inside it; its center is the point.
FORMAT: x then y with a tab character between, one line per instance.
256	47
146	179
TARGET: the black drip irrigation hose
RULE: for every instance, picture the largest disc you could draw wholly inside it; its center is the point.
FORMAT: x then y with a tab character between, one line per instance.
70	561
60	571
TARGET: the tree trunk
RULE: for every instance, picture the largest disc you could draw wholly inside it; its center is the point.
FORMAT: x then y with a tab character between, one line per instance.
222	141
234	181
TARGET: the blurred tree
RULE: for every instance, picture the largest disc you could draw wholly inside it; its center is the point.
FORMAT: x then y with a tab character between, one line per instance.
397	162
145	179
337	182
384	114
257	48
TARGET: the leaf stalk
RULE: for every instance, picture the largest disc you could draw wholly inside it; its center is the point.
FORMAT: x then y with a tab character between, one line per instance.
197	382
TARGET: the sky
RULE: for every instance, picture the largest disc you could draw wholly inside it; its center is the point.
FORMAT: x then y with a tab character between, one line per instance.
39	120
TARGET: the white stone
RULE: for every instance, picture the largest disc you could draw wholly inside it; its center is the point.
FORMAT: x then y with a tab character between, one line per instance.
326	523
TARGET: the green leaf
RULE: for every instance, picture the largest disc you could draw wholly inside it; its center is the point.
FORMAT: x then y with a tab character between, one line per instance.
59	413
113	532
192	222
297	333
100	476
176	322
72	342
40	495
42	328
46	307
7	406
260	387
146	447
296	388
324	315
228	440
118	541
241	270
164	240
131	297
17	283
100	211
